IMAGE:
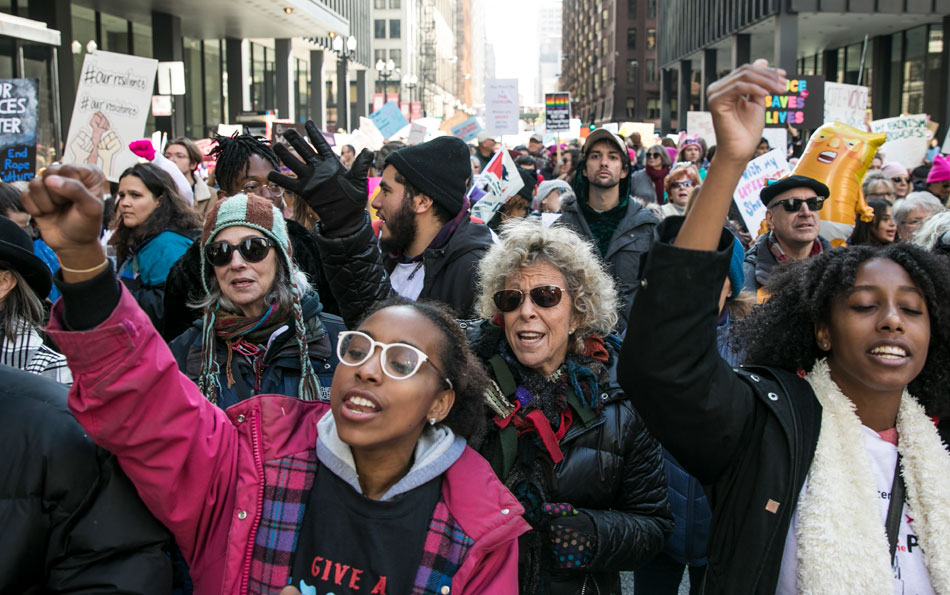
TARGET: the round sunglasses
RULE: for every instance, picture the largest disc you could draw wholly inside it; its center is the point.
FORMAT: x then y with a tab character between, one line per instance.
544	296
251	249
399	360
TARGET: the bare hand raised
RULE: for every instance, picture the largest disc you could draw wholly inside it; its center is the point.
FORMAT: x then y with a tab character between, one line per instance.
737	103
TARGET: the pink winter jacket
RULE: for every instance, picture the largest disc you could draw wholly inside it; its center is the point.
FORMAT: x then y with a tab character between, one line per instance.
200	469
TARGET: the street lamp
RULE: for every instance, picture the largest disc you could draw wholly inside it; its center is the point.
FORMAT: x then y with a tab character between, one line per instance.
346	50
385	70
410	81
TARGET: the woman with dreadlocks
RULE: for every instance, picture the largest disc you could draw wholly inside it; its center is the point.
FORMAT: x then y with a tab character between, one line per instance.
261	330
243	162
823	465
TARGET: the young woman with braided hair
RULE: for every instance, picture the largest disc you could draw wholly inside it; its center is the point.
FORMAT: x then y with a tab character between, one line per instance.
823	464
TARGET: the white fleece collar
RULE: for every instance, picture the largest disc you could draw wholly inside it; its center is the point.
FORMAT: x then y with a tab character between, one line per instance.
842	545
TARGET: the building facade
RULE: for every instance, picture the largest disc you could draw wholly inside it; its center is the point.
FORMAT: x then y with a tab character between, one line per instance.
609	64
549	53
895	47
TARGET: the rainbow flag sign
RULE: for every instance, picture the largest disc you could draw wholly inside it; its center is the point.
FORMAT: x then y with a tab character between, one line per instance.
557	111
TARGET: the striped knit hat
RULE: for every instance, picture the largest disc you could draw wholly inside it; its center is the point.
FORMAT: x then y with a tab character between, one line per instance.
260	214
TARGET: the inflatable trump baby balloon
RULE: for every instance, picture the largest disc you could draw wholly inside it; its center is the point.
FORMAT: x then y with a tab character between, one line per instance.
839	156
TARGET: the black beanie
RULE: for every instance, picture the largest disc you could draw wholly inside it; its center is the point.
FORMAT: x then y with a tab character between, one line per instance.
530	180
439	168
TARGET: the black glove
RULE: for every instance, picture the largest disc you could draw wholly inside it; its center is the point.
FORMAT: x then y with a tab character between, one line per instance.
338	196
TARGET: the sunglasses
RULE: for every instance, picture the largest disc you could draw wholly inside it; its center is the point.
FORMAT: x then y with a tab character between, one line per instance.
653	155
793	205
398	360
900	180
545	296
684	184
251	249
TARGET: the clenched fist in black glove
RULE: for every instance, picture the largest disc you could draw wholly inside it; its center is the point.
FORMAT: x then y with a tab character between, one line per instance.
336	194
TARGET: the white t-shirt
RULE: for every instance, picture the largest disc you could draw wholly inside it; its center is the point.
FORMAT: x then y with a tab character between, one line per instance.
407	279
910	573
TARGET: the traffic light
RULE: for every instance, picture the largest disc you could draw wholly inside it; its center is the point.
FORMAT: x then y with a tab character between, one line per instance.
591	126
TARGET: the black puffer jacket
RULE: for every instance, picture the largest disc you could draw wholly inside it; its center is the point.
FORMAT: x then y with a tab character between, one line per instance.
613	472
71	521
184	281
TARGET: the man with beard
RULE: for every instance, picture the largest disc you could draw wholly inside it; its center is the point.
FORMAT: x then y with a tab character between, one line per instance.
430	248
792	216
604	213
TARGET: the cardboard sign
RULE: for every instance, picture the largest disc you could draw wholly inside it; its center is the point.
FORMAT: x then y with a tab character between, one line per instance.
645	129
907	138
760	170
502	181
112	103
388	119
18	113
847	104
802	105
700	124
467	130
501	106
557	112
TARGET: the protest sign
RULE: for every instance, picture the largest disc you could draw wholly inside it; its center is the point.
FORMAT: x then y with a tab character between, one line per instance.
18	103
388	119
501	106
777	137
557	112
613	127
644	129
467	130
847	104
760	170
802	105
502	181
906	139
700	124
417	133
112	103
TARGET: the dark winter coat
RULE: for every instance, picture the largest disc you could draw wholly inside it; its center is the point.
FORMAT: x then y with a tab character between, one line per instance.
613	472
281	375
359	274
72	522
184	281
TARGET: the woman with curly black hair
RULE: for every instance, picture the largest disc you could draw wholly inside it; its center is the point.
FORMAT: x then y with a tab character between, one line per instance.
825	470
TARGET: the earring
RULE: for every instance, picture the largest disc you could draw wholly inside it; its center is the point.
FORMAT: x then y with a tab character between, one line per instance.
824	346
431	421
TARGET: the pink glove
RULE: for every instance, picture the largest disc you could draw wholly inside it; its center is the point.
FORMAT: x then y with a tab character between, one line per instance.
143	148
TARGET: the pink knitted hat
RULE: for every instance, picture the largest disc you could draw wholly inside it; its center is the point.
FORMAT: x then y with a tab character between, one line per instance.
940	172
893	169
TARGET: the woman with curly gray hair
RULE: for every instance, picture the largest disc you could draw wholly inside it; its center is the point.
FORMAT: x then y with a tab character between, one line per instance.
565	440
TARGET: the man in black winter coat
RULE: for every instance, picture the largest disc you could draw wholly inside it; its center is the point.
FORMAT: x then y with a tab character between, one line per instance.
428	247
72	522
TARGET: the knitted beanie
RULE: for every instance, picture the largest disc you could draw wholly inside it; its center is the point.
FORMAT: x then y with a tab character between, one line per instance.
736	272
260	214
893	169
439	168
940	171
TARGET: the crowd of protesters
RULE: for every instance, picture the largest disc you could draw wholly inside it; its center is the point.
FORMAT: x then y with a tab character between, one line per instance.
271	390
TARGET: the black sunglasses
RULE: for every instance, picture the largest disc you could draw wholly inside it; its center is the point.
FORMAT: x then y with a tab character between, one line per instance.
251	249
683	184
545	296
793	205
653	155
899	179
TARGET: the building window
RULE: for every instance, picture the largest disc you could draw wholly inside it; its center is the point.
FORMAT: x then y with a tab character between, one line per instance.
396	56
379	55
632	38
651	39
651	9
653	109
651	71
915	50
633	70
631	9
379	4
379	26
395	4
394	29
631	107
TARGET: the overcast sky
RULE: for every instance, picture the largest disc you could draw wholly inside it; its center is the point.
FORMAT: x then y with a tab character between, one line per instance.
511	26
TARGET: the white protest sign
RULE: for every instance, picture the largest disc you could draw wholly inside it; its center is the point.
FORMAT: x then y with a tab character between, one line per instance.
907	138
847	104
112	103
760	170
777	137
700	124
501	106
417	134
502	181
612	127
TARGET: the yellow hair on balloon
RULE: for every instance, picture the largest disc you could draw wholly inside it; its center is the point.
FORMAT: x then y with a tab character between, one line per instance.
839	156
